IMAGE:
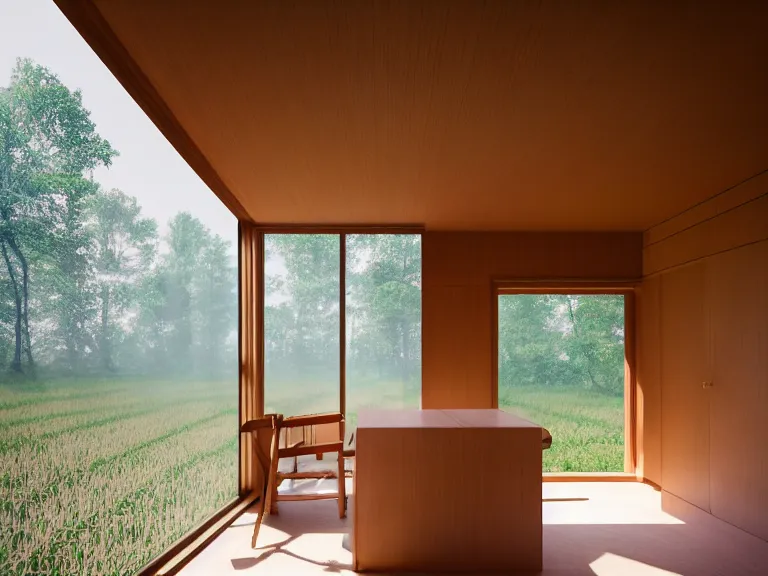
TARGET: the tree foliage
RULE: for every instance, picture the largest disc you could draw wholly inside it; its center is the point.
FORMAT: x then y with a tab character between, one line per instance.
562	340
47	145
86	283
383	308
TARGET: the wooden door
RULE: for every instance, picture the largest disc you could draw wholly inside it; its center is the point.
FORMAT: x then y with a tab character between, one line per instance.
739	421
684	400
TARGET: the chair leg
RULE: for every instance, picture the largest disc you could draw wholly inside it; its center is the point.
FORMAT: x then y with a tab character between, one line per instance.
271	501
260	460
270	473
273	497
257	526
342	487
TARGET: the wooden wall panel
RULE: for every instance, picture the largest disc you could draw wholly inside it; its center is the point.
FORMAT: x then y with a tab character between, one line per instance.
250	256
726	201
458	269
456	337
725	235
474	257
739	422
648	377
684	402
737	227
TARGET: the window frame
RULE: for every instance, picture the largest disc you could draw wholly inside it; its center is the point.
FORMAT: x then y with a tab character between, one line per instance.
577	287
342	232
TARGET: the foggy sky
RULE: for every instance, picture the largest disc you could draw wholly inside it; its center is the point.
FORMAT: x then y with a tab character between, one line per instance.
148	167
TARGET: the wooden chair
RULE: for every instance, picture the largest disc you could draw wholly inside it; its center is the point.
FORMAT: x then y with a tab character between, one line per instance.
269	425
349	454
546	439
300	440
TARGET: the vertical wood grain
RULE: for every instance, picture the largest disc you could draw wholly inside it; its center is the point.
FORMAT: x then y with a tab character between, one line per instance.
424	499
250	346
684	401
739	422
630	385
648	380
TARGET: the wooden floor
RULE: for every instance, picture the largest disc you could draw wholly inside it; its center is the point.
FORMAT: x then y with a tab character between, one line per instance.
595	529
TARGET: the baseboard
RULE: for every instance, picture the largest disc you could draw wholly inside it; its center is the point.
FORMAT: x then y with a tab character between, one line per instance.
650	483
690	513
588	477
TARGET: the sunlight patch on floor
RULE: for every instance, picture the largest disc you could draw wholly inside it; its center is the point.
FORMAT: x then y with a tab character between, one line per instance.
613	565
602	503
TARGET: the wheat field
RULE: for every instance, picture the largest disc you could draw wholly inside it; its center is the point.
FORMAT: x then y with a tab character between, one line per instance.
587	428
98	478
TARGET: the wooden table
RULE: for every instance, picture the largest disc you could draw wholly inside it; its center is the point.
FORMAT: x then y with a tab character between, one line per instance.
447	490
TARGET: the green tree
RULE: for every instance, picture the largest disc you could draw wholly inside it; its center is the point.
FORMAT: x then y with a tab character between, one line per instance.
384	304
530	351
124	246
214	307
186	304
562	340
307	309
596	342
186	240
48	145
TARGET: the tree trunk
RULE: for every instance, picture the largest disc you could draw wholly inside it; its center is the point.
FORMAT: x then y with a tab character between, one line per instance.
25	297
105	345
406	352
16	362
577	335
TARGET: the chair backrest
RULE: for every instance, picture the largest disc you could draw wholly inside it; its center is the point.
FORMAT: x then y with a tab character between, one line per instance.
265	434
308	424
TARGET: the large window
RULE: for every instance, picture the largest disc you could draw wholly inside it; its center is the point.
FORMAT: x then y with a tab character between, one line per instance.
304	304
383	303
118	318
561	365
301	323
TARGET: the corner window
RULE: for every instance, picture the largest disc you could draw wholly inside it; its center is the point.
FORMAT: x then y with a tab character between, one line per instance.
118	318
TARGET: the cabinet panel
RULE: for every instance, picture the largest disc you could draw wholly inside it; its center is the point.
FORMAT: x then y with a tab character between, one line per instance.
684	401
739	418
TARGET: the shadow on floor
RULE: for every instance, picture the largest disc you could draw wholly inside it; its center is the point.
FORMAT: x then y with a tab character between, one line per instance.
702	546
330	566
649	549
295	520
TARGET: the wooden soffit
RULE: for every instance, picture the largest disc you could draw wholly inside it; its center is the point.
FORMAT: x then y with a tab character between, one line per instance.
530	115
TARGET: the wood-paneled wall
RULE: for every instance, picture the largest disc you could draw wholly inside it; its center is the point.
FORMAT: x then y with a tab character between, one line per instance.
458	271
702	353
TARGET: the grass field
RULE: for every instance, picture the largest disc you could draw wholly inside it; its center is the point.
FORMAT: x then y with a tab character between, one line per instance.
587	428
288	399
98	478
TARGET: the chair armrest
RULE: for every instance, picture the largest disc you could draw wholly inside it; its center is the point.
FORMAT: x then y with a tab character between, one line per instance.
546	439
321	448
312	420
257	424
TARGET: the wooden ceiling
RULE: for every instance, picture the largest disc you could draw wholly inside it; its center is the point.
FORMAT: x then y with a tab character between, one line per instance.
526	115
